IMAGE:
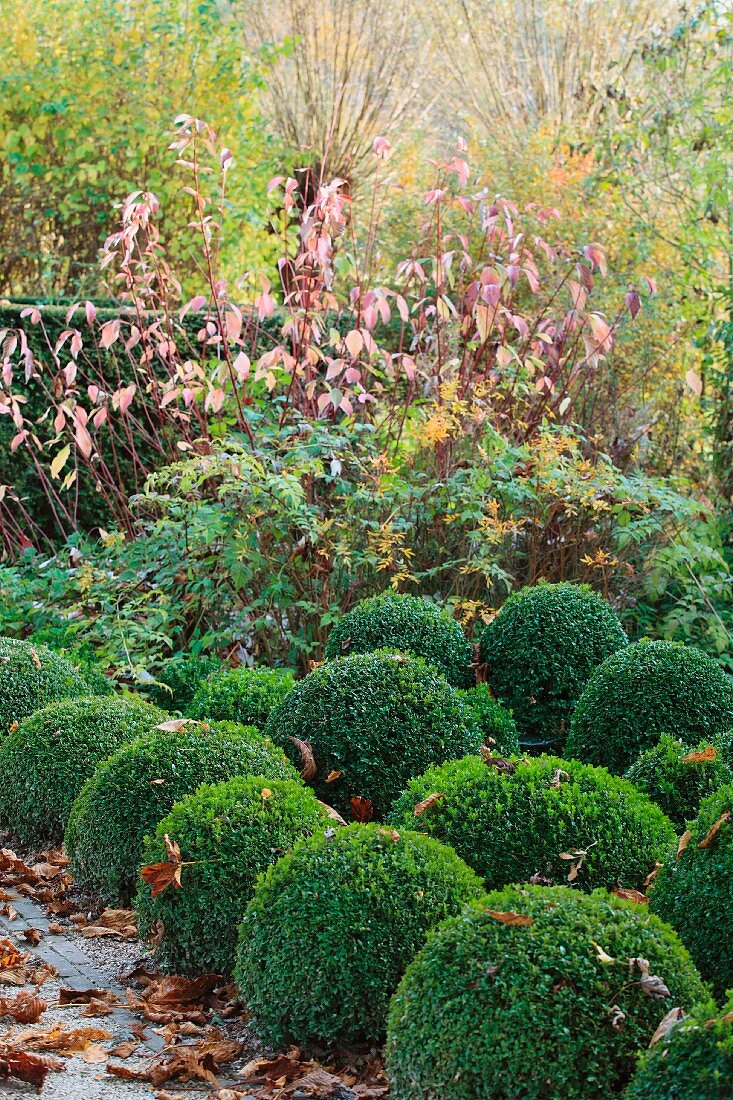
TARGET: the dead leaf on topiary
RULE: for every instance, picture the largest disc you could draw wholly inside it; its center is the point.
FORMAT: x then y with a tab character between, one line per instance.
159	876
652	874
361	809
666	1024
629	894
426	803
712	834
651	984
175	725
333	776
308	764
506	767
603	955
333	814
513	920
700	757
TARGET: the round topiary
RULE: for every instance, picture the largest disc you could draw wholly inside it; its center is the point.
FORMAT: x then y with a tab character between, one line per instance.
31	677
643	691
694	891
48	758
245	695
131	791
677	776
352	908
372	721
181	678
535	992
545	820
692	1060
411	625
540	652
494	722
227	834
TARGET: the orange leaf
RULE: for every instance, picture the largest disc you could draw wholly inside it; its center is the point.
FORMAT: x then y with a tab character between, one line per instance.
161	875
709	753
631	895
514	920
714	830
426	803
361	808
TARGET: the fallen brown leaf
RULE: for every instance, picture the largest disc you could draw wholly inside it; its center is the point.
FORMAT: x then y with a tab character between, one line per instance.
25	1008
513	920
60	1039
124	1049
95	1054
33	936
426	803
712	833
81	996
26	1067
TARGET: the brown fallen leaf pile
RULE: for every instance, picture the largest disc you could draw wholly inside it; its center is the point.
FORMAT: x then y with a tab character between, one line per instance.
348	1077
117	923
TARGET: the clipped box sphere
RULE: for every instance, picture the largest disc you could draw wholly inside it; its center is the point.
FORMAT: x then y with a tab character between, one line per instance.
372	721
411	625
244	695
678	776
541	650
494	722
49	757
694	891
31	677
548	820
131	791
349	911
692	1061
227	834
535	993
643	691
181	678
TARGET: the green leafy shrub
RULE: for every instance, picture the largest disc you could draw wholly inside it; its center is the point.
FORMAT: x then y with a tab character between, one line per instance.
227	835
494	722
512	826
535	992
373	721
245	695
137	786
677	776
694	892
541	650
48	758
692	1061
31	676
643	691
411	625
352	908
181	678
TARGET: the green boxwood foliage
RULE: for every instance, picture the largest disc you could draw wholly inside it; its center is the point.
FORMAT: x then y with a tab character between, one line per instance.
181	678
245	695
48	758
541	650
677	776
411	625
31	677
512	826
137	786
693	1061
643	691
230	833
375	720
694	892
554	1007
349	910
494	722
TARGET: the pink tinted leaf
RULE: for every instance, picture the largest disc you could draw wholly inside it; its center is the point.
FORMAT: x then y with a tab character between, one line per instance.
694	381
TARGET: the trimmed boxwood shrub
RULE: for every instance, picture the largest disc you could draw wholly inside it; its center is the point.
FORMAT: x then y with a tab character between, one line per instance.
227	834
245	695
677	776
493	721
48	758
373	721
181	678
349	910
137	786
694	891
693	1061
643	691
541	650
511	826
411	625
535	992
31	677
